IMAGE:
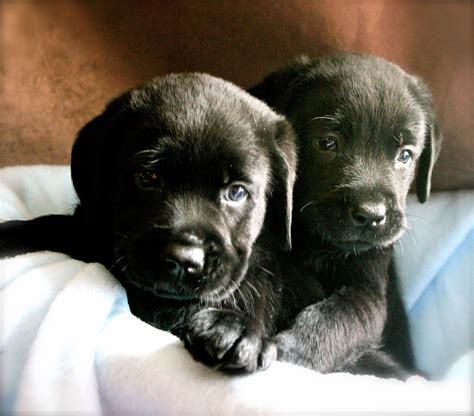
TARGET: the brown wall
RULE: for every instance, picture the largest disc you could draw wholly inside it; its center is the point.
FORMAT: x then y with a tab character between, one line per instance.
63	60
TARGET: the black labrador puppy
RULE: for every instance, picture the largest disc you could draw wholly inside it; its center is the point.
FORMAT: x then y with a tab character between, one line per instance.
174	180
362	125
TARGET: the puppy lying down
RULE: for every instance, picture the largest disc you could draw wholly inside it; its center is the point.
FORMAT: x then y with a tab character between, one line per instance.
185	188
175	179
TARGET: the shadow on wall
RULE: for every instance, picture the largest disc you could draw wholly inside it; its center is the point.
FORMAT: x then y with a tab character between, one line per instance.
64	60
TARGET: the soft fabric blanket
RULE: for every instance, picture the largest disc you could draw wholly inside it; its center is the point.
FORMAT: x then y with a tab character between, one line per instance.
69	342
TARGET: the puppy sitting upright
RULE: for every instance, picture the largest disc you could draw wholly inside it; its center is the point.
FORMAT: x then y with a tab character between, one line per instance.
362	125
174	181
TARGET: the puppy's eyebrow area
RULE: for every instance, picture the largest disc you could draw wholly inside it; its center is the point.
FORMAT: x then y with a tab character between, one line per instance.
399	138
408	135
248	168
333	120
244	174
146	158
329	117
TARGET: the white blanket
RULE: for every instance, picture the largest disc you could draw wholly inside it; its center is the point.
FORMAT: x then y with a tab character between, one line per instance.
69	342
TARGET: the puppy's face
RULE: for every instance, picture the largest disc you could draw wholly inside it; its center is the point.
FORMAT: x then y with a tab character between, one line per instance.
192	160
190	206
363	124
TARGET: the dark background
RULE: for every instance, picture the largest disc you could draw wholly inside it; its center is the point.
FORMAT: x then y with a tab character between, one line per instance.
63	60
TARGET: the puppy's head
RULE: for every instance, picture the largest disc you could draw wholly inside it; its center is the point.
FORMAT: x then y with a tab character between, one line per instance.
363	124
179	173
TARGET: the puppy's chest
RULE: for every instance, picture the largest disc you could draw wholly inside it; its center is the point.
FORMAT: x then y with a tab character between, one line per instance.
331	270
161	313
337	269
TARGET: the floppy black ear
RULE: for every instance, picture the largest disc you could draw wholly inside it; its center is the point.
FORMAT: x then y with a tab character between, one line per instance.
90	162
85	158
431	146
276	87
280	204
429	155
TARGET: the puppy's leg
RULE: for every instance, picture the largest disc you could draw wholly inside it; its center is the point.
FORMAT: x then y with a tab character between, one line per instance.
396	336
377	363
51	232
325	334
229	340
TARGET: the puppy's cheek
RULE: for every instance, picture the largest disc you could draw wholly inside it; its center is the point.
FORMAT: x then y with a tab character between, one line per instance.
222	272
249	226
399	224
324	219
241	243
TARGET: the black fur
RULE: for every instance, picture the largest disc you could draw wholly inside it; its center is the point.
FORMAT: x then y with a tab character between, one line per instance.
153	174
216	274
354	115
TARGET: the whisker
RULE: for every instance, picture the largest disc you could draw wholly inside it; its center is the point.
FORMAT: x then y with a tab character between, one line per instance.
116	262
412	235
307	205
244	300
421	218
124	268
264	270
399	243
161	226
326	117
397	139
257	293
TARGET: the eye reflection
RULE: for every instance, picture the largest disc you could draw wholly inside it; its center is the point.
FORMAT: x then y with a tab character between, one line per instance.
404	156
235	193
327	142
147	179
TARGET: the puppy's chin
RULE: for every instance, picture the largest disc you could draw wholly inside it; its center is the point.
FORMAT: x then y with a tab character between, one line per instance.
162	288
182	296
145	270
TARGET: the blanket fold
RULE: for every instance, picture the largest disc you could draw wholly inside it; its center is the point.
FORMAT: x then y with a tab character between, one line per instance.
69	342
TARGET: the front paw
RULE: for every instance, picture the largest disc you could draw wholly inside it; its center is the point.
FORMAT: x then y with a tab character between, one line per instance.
287	346
225	339
300	350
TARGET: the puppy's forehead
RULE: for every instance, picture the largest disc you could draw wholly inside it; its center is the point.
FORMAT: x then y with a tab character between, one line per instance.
200	121
383	101
369	95
231	150
192	101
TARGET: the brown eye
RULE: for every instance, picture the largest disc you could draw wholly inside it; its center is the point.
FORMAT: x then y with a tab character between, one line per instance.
148	179
328	142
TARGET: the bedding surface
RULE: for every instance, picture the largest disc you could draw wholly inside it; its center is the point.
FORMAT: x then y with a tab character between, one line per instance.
70	343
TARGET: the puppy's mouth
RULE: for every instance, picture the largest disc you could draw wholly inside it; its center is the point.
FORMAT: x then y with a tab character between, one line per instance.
355	240
359	245
161	292
214	279
178	291
331	225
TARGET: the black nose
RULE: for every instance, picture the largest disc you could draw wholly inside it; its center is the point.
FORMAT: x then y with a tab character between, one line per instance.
183	260
368	214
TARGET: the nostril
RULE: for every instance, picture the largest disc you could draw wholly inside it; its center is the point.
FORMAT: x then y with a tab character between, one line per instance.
174	268
359	218
183	259
369	215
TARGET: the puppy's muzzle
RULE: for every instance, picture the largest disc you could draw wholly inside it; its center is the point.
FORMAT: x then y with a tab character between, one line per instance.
368	213
185	258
